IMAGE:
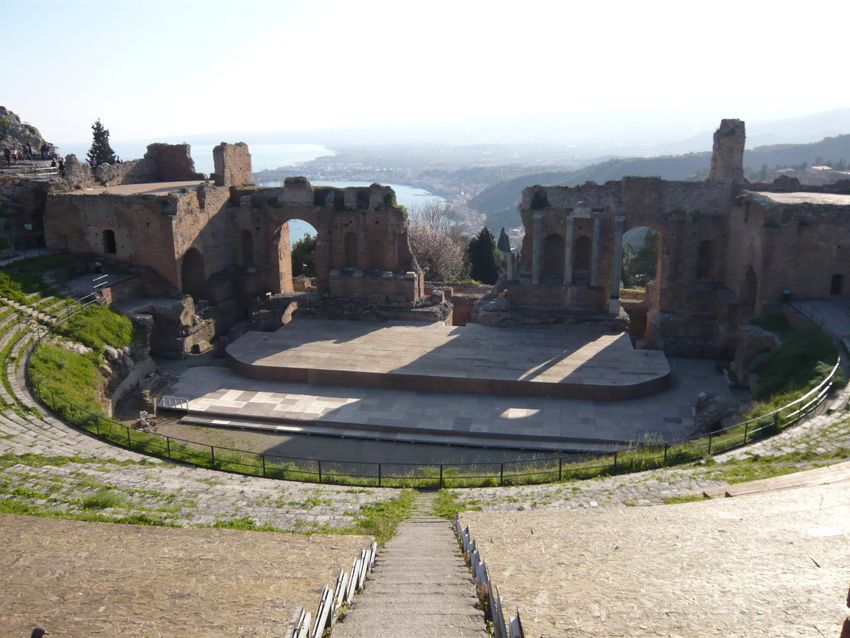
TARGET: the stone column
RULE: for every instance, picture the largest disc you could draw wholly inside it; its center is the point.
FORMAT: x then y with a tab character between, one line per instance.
617	270
594	254
568	252
537	248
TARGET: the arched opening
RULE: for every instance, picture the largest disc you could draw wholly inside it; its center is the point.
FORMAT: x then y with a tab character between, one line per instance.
553	257
294	255
192	274
109	246
581	259
350	250
641	257
749	295
640	267
247	246
704	260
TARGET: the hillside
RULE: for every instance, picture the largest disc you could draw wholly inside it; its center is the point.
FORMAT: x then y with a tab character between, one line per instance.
500	201
14	132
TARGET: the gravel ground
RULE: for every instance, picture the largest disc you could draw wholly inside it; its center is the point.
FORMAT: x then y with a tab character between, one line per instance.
772	564
93	579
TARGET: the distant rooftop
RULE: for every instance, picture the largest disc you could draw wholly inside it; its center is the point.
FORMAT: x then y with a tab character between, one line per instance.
790	199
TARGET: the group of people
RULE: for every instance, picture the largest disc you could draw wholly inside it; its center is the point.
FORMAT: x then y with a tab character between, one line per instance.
13	154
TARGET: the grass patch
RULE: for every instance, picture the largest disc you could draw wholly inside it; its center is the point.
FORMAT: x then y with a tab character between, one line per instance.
66	379
381	519
802	360
104	499
98	327
675	500
244	523
448	506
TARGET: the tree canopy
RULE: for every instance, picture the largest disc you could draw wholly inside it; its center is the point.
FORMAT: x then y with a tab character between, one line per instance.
100	152
483	261
304	256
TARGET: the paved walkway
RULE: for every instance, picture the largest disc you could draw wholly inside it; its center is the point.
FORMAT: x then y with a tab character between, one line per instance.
419	587
469	419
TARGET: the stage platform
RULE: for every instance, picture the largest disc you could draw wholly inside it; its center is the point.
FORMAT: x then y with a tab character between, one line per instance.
576	361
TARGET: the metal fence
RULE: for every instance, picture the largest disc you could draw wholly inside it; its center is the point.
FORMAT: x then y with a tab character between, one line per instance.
635	457
618	460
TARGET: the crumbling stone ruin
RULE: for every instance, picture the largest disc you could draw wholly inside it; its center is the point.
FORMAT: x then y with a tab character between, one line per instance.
226	241
728	251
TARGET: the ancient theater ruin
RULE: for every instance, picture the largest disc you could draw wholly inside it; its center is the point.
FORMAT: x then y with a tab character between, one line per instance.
552	358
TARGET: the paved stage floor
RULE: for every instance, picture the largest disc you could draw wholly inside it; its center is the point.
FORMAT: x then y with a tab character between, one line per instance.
577	361
466	419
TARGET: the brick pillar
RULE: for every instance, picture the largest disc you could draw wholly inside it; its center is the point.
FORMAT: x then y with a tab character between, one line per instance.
568	252
537	248
617	270
594	255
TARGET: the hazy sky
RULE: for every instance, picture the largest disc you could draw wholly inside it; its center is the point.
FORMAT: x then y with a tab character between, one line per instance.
153	68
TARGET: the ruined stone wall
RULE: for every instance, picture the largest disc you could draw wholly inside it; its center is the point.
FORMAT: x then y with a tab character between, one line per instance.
232	164
799	248
141	224
22	201
727	158
362	242
171	162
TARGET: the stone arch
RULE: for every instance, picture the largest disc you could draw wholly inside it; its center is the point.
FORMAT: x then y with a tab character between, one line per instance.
704	259
109	245
553	257
281	264
246	242
643	256
582	254
350	250
193	275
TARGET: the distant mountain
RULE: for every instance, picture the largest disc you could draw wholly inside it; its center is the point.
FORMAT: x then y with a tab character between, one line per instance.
500	201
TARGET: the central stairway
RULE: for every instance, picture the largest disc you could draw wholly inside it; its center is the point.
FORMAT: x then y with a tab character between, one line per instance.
419	587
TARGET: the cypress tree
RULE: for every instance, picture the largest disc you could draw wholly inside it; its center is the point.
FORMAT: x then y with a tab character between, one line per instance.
484	265
504	241
100	151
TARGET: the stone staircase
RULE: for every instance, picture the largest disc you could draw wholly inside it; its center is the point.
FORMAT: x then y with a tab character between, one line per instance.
419	587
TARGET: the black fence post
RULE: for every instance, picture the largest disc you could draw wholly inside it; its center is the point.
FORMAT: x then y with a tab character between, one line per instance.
746	430
709	442
380	472
129	440
615	459
263	458
212	455
664	462
97	426
501	473
560	468
168	447
441	476
320	471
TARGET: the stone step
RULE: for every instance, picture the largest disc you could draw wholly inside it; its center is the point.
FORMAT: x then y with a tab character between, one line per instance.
418	587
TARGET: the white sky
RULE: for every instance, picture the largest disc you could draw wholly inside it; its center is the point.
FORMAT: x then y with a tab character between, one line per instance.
151	68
